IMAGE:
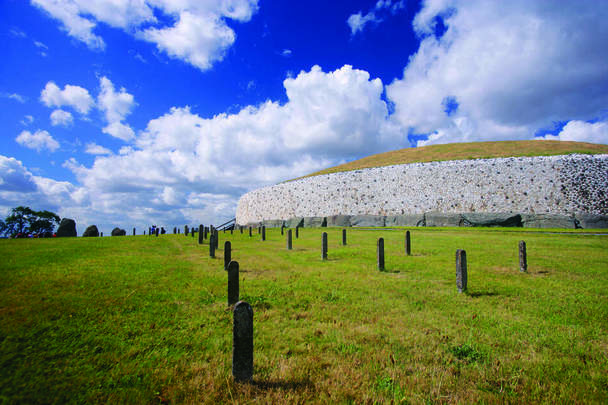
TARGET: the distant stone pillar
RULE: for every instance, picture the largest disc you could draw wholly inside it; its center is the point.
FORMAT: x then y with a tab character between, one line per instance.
157	232
523	257
380	254
233	282
289	239
408	244
133	231
101	234
263	233
343	237
227	255
297	232
241	228
185	230
201	234
324	246
212	246
242	342
250	232
461	270
282	229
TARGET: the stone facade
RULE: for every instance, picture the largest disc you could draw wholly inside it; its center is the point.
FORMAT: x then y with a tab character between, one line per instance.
551	188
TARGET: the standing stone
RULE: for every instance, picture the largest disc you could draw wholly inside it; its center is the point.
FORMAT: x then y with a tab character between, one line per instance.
282	230
461	270
91	231
227	255
67	228
212	246
289	239
133	231
157	231
380	254
250	232
297	232
263	233
101	234
523	257
241	228
206	232
408	244
186	230
233	282
324	246
242	342
217	238
174	230
201	234
343	237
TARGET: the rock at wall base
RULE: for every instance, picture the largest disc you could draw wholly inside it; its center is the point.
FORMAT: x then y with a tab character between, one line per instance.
592	221
442	219
405	220
491	219
548	221
67	227
339	220
368	220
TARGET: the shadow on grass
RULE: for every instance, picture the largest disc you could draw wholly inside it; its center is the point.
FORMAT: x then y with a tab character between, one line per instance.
390	271
283	385
477	294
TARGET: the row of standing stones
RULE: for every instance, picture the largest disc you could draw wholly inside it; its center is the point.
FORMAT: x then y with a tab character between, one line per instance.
433	219
242	328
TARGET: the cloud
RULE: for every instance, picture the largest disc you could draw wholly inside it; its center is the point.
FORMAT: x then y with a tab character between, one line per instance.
40	45
199	35
14	96
27	120
38	141
115	106
72	96
14	176
376	15
581	131
61	117
94	149
286	53
510	69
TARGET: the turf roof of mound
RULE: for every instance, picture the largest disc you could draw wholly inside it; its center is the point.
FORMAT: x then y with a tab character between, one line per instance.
465	151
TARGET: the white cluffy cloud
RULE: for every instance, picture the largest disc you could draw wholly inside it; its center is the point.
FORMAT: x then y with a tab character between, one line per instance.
115	106
38	141
200	35
503	70
71	96
358	21
94	149
61	117
581	131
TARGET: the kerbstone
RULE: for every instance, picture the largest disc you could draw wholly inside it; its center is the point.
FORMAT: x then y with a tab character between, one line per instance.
368	220
442	219
548	221
592	221
405	220
315	222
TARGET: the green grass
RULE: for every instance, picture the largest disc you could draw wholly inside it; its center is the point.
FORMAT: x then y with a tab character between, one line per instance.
145	320
466	151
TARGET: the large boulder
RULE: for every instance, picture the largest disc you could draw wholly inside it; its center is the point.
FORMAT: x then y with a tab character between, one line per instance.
118	232
490	219
592	221
338	220
442	219
405	220
67	227
548	221
368	220
91	231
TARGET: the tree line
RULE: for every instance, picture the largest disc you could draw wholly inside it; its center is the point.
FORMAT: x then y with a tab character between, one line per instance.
24	222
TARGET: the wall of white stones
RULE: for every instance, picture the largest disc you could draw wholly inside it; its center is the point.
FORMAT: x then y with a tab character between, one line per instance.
565	184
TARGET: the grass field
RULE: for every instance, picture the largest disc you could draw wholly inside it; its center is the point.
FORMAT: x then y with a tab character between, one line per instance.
465	151
145	320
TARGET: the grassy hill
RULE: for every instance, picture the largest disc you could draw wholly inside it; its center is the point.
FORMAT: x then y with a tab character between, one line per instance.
465	151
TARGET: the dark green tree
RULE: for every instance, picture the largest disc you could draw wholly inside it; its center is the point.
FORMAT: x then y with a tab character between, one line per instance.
18	220
25	220
44	221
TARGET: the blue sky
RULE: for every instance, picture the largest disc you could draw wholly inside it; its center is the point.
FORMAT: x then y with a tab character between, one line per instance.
128	113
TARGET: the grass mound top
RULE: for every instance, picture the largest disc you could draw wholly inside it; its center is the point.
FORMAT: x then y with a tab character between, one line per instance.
466	151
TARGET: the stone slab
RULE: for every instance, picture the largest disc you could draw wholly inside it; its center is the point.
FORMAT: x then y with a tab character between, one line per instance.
592	221
315	222
442	219
339	220
548	221
405	220
491	219
368	220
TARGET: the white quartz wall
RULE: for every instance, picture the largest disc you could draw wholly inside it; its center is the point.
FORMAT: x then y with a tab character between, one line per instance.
565	184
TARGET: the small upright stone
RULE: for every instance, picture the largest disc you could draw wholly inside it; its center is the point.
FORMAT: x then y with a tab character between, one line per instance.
461	270
380	254
174	230
408	244
242	342
282	229
324	246
241	228
297	232
133	231
233	282
523	257
250	232
227	254
157	231
212	246
217	238
201	234
343	237
289	239
185	230
263	233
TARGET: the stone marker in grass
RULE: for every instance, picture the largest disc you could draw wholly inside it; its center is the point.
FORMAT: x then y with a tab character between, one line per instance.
185	230
212	246
233	282
343	237
201	234
297	232
289	239
408	244
133	231
157	231
263	233
241	228
216	234
227	254
523	257
101	234
324	246
380	254
250	232
282	229
242	342
461	270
